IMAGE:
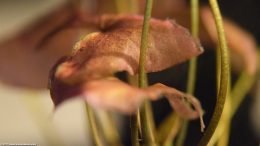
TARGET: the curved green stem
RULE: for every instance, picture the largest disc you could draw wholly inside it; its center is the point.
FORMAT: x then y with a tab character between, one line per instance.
192	67
224	76
240	89
145	112
93	125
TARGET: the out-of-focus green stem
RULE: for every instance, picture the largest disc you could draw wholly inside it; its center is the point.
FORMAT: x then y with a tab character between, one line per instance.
145	111
109	128
183	133
192	67
134	119
168	130
93	125
224	76
135	123
224	138
134	130
240	89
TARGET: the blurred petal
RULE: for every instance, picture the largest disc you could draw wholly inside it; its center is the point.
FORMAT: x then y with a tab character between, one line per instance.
239	41
25	60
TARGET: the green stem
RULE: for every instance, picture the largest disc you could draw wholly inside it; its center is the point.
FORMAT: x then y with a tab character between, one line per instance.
134	130
182	135
144	44
148	128
195	33
224	76
169	130
134	119
223	140
93	125
240	89
192	67
145	112
109	130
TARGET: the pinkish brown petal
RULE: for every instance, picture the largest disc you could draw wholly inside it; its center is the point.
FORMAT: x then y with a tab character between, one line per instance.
113	94
239	41
95	58
178	101
116	48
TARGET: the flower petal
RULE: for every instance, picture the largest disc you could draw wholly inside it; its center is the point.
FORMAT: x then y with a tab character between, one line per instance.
113	94
87	72
118	47
179	101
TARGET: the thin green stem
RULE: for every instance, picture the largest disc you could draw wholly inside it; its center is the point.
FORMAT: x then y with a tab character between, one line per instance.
192	67
93	125
134	119
134	130
182	135
145	112
240	89
224	76
147	127
195	33
224	139
144	44
109	128
169	130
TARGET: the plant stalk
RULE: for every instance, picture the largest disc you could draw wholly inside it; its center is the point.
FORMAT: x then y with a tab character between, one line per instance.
240	89
134	119
93	125
224	76
192	67
108	125
145	111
